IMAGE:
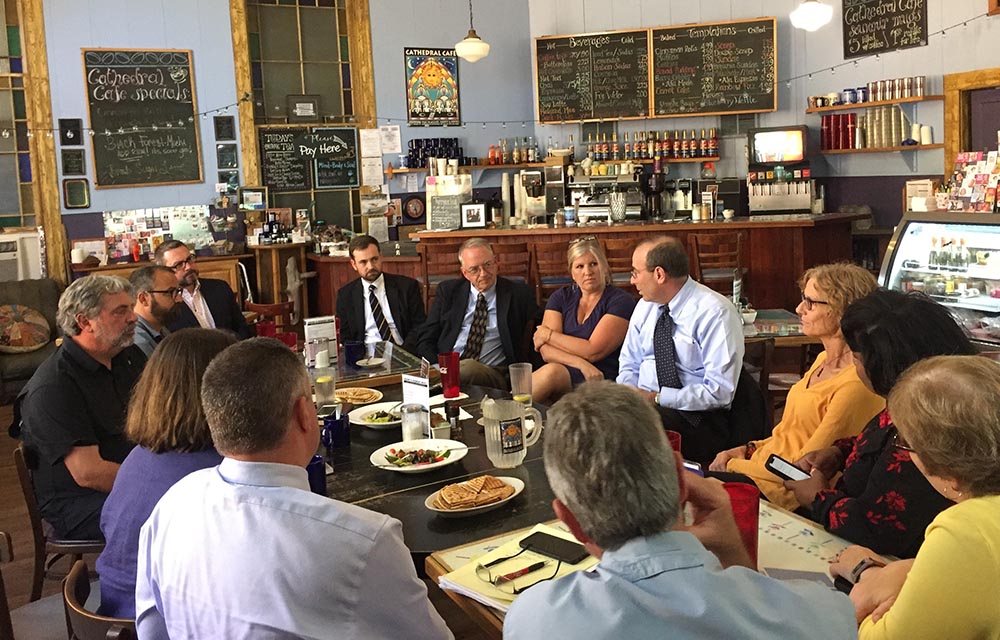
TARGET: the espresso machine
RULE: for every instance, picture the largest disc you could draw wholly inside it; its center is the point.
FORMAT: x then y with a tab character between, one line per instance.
593	195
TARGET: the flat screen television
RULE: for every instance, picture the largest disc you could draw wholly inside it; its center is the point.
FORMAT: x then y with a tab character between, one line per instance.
778	145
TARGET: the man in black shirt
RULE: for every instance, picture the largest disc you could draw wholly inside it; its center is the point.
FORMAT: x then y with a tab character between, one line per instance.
73	409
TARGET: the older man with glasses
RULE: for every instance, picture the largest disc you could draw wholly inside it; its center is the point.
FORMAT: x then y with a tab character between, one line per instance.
156	298
208	303
484	317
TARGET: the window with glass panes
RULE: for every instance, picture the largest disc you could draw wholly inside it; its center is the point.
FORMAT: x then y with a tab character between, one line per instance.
302	47
16	186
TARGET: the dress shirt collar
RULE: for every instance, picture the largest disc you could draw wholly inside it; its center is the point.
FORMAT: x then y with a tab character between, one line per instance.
648	556
87	362
263	474
149	329
683	294
490	294
379	284
189	296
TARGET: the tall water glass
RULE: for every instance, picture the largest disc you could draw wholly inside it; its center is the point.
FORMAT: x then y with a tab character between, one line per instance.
415	421
520	382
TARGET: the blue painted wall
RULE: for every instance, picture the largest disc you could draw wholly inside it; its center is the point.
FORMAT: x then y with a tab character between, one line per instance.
202	26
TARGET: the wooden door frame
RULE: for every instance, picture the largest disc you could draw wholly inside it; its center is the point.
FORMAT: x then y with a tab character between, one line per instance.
957	108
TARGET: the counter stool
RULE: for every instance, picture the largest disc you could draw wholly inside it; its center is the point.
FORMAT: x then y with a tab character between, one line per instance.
549	264
717	259
438	262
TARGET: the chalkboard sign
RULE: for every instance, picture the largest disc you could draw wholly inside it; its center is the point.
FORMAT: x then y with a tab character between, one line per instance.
592	76
445	212
336	157
712	68
877	26
142	110
282	168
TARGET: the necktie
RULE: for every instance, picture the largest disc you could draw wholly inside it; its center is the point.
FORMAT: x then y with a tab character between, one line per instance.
378	314
663	349
477	331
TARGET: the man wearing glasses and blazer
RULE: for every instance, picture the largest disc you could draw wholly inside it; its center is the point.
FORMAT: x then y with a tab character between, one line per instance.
484	317
208	303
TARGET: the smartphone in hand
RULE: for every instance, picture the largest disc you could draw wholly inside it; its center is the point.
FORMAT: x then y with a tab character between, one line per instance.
784	469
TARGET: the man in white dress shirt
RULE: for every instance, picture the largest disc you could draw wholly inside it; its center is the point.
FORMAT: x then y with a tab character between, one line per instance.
244	550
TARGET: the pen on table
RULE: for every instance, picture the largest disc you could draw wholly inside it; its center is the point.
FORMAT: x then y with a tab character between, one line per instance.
520	572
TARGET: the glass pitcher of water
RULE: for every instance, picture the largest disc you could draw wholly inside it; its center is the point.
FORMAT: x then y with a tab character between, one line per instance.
507	440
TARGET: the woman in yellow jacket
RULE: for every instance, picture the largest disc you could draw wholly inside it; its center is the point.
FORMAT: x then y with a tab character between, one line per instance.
830	402
948	418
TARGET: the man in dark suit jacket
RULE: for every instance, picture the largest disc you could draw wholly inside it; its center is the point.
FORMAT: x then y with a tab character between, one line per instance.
398	308
208	303
484	317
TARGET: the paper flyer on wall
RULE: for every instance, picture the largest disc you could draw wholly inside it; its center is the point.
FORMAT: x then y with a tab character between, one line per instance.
389	133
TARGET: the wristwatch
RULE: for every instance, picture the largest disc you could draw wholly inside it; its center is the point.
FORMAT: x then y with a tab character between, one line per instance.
863	566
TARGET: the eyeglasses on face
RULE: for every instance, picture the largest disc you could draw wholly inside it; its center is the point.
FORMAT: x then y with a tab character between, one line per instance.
900	443
173	292
810	302
489	265
177	266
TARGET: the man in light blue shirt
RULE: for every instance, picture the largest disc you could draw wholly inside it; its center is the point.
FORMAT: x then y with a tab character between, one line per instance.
244	550
706	336
657	577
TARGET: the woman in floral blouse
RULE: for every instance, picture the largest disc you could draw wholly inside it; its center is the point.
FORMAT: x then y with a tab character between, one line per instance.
882	501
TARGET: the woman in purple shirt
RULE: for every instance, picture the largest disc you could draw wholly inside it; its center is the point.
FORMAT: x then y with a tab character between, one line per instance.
166	421
584	325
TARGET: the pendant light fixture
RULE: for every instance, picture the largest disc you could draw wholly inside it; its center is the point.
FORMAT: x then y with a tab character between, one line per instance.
472	48
811	15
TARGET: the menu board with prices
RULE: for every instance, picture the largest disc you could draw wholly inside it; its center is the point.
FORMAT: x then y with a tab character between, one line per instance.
592	76
878	26
722	67
282	167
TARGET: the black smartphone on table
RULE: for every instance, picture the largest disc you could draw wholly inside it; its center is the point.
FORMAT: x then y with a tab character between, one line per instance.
784	469
554	547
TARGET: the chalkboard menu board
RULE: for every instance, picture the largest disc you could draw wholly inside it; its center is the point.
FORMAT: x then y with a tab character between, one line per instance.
877	26
446	212
592	76
142	110
282	168
336	156
722	67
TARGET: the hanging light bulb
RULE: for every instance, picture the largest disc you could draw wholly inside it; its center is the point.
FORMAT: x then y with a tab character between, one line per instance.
811	15
472	48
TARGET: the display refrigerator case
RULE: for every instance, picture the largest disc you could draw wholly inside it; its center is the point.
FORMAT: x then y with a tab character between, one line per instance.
955	259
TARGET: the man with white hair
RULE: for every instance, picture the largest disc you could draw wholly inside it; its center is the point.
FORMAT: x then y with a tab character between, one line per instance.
621	491
73	409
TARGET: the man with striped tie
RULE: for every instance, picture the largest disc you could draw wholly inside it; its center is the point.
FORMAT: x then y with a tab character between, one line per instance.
484	317
377	306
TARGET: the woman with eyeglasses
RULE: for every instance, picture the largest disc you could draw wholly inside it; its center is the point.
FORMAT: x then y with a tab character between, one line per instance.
166	422
584	325
830	401
947	415
882	500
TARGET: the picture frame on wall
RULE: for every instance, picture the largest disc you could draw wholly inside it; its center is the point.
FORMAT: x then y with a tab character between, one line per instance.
74	162
231	178
252	197
473	215
76	193
302	108
431	86
71	132
225	128
227	156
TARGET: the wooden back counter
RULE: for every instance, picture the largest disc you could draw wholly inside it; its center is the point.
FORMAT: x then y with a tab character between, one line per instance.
778	250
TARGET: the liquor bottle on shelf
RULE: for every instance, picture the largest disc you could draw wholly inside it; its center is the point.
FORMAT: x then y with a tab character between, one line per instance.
650	145
615	151
677	145
657	146
668	145
713	142
516	156
591	152
605	147
685	149
703	145
628	148
531	149
572	150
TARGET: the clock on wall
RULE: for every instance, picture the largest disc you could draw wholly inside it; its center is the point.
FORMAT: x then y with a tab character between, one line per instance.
413	208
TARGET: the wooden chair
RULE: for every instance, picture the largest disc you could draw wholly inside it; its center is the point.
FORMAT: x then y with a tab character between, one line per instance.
717	258
279	312
45	544
81	623
514	262
438	262
549	265
40	620
619	251
757	359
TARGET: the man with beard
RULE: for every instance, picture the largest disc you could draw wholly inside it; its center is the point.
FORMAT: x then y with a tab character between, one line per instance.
377	306
208	303
72	411
156	295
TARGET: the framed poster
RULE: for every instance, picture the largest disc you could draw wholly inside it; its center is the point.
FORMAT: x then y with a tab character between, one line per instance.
226	155
225	128
431	86
252	197
70	132
473	215
302	108
73	162
76	193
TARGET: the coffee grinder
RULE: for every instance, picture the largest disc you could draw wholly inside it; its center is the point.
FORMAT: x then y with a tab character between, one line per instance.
651	186
669	189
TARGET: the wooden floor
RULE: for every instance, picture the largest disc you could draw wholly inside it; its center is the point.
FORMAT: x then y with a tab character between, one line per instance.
17	575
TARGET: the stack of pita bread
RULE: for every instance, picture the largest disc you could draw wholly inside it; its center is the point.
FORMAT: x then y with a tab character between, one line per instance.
477	492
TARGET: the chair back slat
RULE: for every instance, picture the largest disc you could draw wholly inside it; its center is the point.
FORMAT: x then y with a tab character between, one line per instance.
438	262
551	274
83	624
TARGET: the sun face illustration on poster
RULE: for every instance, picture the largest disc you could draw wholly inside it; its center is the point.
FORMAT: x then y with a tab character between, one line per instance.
431	86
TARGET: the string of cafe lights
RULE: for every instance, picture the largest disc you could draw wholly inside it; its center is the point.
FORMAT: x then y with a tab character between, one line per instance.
172	124
6	133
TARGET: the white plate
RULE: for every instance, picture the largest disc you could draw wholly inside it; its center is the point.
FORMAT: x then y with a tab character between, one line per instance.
517	483
459	451
370	363
347	395
357	416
